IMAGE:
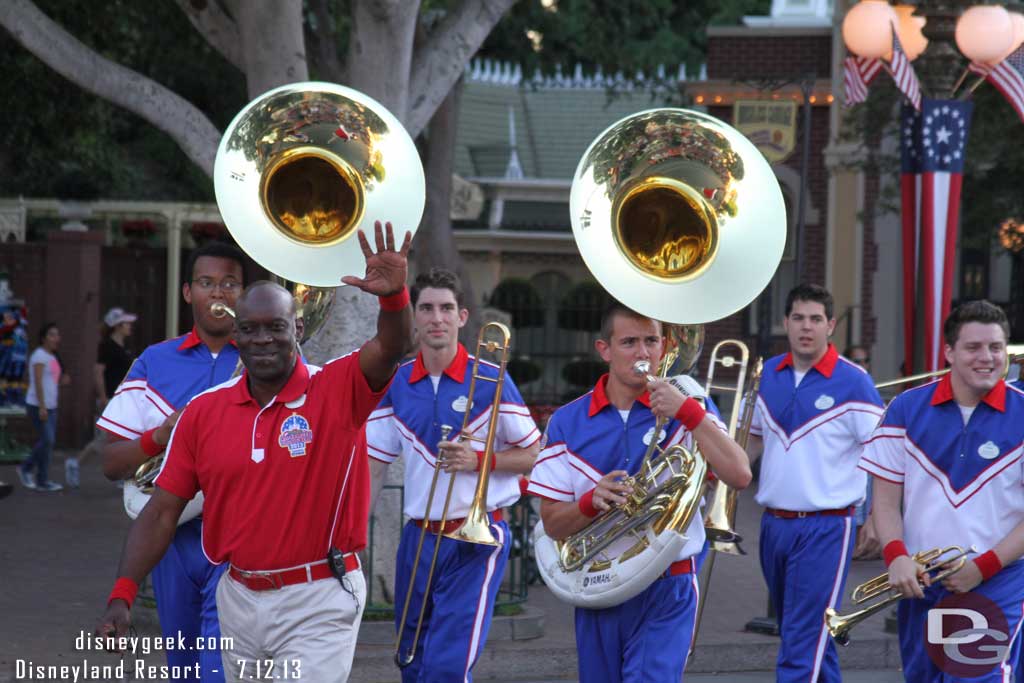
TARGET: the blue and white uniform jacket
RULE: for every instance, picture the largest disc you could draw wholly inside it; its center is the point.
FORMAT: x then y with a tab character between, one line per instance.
814	433
162	380
963	483
408	421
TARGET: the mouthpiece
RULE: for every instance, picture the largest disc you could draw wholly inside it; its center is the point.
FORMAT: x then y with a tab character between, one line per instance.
220	310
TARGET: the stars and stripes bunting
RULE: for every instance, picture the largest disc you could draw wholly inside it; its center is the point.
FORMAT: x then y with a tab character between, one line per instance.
932	143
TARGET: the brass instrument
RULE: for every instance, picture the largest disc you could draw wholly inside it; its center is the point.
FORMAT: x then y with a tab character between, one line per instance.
1013	357
720	518
476	526
678	215
681	219
666	492
304	167
934	560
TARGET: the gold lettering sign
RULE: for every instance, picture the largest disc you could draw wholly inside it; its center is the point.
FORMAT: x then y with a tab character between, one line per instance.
770	125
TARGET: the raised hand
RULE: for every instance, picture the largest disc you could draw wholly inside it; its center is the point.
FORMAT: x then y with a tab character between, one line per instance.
387	269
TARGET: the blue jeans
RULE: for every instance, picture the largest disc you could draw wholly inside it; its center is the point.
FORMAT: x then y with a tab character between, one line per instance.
39	459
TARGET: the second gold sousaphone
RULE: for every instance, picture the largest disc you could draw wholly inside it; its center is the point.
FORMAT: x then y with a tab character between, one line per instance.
681	219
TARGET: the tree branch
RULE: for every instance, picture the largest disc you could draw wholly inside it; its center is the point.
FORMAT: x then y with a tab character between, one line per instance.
442	59
219	30
66	55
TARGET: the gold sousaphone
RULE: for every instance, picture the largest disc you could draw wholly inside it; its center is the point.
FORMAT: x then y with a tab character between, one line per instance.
680	218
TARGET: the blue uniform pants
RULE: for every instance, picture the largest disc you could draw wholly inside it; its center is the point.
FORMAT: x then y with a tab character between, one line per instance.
805	561
185	586
459	604
1006	591
644	640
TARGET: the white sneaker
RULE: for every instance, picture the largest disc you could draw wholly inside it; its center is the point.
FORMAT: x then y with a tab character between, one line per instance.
28	480
51	486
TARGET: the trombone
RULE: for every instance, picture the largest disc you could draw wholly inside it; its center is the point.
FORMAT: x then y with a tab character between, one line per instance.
476	526
1012	358
933	560
720	519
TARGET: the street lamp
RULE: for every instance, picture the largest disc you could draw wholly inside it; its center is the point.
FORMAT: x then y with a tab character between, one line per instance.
938	34
928	29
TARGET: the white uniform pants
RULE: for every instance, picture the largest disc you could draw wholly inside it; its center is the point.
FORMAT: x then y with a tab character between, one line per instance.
304	632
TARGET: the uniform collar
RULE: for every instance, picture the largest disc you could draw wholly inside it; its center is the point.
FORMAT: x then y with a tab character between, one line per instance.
192	340
295	387
825	366
995	398
456	369
599	397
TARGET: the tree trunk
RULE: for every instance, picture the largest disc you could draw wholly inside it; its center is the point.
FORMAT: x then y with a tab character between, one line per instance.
380	51
435	242
273	46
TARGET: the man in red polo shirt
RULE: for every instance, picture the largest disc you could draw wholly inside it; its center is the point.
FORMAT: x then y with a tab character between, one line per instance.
276	452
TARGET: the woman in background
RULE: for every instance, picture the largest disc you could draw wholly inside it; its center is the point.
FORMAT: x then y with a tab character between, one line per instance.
44	376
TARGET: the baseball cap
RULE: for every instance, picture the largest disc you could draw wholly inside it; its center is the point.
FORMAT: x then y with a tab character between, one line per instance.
115	316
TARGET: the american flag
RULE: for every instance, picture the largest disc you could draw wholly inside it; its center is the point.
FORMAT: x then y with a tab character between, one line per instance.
932	142
903	73
858	72
1008	77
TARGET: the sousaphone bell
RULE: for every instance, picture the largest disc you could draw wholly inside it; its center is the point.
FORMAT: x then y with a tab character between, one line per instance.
305	166
678	215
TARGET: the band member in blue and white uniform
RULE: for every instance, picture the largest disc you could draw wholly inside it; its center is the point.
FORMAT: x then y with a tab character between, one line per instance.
814	412
590	445
427	393
952	452
139	419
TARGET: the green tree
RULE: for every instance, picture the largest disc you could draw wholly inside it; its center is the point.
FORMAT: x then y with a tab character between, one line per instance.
627	36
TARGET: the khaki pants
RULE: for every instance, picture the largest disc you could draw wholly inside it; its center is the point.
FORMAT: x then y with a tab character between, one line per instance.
305	632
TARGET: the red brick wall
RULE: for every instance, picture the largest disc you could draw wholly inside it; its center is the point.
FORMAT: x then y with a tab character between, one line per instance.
732	57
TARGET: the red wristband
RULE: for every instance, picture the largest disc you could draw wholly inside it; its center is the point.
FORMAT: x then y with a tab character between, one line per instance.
149	446
395	302
691	413
124	589
586	504
892	550
989	564
480	461
524	484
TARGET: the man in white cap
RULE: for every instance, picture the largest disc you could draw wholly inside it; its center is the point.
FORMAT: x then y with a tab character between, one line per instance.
113	360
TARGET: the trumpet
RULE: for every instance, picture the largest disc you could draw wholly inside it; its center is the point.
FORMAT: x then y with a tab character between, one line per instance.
476	527
934	560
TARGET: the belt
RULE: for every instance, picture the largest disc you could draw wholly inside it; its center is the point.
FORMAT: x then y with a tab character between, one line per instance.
450	525
790	514
307	573
680	567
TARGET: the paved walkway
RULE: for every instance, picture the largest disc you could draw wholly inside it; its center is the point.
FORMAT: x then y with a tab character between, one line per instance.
59	551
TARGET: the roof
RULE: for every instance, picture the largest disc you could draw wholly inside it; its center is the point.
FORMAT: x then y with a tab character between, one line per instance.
555	118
